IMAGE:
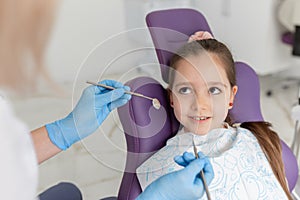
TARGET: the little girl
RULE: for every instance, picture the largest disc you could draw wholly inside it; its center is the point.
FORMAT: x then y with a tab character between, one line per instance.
246	159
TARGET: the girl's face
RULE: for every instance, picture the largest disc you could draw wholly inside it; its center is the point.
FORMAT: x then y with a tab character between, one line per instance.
201	93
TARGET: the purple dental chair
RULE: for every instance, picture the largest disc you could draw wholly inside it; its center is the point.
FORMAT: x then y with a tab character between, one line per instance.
147	130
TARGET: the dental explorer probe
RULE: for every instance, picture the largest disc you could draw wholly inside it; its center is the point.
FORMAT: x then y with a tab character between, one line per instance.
201	172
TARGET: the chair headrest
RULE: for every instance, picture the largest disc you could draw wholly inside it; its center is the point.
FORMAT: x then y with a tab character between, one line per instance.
246	105
169	35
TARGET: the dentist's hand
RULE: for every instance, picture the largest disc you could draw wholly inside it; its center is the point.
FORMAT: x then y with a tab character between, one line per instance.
187	157
93	107
184	184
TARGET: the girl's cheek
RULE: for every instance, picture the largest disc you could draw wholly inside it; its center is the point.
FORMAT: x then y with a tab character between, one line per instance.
220	106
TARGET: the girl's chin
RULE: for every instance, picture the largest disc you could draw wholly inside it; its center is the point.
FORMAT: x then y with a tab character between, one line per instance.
199	132
203	130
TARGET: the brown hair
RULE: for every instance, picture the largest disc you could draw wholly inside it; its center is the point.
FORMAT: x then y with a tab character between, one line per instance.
25	28
268	140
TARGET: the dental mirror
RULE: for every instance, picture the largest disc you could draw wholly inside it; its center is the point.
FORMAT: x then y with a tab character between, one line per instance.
155	102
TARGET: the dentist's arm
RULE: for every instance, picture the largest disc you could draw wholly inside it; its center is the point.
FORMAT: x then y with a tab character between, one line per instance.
184	184
44	148
93	107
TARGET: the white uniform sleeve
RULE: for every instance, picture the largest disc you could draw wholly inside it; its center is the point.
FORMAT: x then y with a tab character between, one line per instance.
18	168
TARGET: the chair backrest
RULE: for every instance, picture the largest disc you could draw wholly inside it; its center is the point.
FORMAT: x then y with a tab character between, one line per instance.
247	100
146	129
170	29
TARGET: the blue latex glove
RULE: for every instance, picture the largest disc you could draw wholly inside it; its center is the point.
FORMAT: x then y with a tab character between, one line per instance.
184	184
93	107
188	157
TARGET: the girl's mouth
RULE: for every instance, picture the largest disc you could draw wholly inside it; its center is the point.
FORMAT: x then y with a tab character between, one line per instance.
202	118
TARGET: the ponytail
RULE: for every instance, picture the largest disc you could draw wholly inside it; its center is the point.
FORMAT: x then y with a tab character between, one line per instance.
269	141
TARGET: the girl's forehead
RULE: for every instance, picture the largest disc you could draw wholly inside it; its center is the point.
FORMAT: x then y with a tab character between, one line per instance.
204	68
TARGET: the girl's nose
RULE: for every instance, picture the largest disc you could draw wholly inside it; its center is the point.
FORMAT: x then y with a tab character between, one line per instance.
201	102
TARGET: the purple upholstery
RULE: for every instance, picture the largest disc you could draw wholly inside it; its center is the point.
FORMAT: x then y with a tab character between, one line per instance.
290	165
170	29
247	100
146	129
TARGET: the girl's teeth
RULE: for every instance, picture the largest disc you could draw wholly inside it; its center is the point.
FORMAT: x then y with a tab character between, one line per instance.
200	118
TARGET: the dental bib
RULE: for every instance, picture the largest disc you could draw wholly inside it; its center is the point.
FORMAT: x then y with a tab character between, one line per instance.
240	166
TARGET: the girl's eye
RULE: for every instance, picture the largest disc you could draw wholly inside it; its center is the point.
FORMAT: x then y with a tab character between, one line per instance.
214	90
185	90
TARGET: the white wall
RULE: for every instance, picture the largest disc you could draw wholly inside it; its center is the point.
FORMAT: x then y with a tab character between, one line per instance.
79	27
83	25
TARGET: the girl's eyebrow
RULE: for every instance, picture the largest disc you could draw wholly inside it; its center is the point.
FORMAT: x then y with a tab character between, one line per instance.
217	83
209	83
182	83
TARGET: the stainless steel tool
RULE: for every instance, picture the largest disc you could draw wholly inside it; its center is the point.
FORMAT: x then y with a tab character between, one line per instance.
201	173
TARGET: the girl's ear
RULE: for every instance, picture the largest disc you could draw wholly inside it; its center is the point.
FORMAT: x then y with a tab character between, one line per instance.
234	90
170	96
232	95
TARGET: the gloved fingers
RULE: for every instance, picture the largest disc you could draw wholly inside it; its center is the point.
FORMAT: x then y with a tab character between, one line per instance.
112	83
180	161
90	90
127	88
208	171
126	96
195	167
101	90
201	155
95	90
192	173
188	157
185	159
201	164
108	97
119	102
